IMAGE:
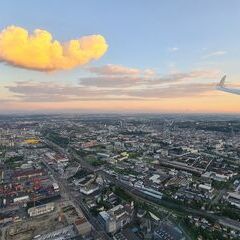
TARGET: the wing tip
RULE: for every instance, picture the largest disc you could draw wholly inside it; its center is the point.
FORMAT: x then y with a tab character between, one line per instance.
223	79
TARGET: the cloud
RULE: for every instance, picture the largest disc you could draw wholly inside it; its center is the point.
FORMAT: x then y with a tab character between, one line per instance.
173	91
173	49
28	92
124	81
111	69
112	81
39	51
38	92
214	54
119	70
115	88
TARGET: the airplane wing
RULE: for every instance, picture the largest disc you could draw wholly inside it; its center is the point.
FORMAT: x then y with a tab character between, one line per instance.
221	84
222	87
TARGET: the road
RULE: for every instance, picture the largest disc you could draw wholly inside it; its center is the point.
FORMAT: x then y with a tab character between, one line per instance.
78	204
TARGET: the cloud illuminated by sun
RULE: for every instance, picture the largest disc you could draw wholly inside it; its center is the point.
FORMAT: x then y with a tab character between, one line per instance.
39	51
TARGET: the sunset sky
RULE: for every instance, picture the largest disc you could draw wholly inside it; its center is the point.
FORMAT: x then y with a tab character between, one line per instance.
119	56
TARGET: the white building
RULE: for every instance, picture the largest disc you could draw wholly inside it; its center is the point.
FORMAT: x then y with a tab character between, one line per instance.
21	199
234	199
117	217
41	209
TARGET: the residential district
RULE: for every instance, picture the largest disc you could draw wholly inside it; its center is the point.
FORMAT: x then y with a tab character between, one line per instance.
119	177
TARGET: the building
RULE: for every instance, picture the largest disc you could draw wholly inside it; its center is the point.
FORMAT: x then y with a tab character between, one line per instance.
55	187
1	176
77	219
126	235
116	218
168	231
83	226
27	173
41	209
87	190
65	233
21	199
205	187
234	199
216	176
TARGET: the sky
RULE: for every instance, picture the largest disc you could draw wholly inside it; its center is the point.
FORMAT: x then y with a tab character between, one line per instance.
119	56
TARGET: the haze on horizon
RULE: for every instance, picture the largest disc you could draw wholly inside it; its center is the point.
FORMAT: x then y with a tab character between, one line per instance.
92	56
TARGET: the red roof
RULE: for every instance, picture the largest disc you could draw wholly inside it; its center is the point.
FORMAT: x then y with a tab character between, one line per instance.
27	172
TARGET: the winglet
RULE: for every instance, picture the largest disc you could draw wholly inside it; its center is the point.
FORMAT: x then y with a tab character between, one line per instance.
221	84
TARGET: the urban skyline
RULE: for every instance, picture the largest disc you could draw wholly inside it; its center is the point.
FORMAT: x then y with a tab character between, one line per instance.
119	120
138	57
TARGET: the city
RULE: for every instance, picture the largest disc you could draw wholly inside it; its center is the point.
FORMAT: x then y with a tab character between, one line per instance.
119	177
119	120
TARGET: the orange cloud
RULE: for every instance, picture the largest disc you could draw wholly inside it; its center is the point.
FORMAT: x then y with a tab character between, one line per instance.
39	51
111	69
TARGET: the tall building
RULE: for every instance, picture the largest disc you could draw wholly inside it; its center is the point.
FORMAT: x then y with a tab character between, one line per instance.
117	217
